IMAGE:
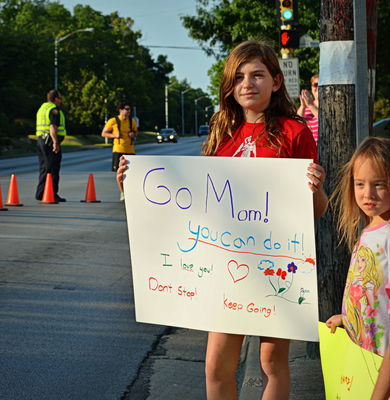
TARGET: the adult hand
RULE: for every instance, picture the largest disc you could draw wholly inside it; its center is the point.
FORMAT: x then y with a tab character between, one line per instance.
302	98
333	322
308	97
56	147
316	175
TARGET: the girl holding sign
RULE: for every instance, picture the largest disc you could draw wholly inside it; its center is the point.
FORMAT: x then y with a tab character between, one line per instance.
363	195
257	118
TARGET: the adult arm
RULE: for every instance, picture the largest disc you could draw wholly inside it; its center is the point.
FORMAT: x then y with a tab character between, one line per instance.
309	100
54	123
313	109
108	130
302	106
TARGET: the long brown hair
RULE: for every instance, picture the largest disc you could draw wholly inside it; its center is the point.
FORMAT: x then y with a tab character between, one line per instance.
230	115
349	215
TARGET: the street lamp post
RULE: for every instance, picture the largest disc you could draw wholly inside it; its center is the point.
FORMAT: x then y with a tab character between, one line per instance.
166	103
182	109
206	111
166	106
105	101
196	113
56	42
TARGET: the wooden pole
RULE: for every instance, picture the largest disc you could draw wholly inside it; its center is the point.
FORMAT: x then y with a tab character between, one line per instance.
372	33
361	71
337	141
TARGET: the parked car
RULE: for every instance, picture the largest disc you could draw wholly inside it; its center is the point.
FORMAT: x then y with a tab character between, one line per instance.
382	128
166	135
203	130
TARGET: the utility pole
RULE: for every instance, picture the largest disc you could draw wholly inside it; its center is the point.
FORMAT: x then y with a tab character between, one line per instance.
57	41
336	143
182	93
372	33
206	109
166	106
196	113
361	71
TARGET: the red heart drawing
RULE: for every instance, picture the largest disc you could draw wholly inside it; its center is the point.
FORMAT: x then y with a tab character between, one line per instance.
237	272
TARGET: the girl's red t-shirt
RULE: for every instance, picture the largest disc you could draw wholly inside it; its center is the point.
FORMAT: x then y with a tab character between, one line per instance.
246	142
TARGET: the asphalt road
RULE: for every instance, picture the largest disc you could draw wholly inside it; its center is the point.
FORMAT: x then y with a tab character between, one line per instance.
66	301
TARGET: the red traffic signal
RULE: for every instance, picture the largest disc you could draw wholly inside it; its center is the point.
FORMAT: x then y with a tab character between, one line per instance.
289	39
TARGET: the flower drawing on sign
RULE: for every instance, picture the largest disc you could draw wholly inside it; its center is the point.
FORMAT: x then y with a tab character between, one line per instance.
281	273
269	271
281	280
292	268
301	296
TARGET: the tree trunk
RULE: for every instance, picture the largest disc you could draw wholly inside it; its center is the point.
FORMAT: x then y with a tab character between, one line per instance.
337	141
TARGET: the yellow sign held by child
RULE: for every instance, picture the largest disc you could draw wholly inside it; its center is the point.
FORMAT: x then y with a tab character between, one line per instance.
349	371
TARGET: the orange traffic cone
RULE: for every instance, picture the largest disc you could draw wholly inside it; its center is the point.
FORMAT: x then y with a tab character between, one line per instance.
13	196
1	202
48	192
90	194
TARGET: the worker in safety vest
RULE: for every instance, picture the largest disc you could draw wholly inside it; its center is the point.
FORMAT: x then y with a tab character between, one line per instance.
51	132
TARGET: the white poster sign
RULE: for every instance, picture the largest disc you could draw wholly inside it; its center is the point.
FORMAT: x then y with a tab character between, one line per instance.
337	63
223	244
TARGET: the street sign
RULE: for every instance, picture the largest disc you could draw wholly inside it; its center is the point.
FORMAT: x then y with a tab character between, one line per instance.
290	69
307	41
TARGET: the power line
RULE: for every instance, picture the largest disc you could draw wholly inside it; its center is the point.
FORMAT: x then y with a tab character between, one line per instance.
175	47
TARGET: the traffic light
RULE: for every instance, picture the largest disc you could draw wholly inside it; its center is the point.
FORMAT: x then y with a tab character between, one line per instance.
287	11
289	39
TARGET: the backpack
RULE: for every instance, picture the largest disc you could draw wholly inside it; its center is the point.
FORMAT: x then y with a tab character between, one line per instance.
118	123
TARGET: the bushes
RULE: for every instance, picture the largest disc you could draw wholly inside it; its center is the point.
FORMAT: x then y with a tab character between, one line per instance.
381	109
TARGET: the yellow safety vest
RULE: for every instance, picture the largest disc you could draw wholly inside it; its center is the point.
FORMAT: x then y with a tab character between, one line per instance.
43	120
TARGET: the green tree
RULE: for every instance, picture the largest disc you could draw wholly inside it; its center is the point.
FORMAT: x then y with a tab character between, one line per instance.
221	24
96	69
92	94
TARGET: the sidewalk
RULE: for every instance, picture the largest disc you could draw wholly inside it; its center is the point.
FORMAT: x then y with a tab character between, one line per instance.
306	375
176	370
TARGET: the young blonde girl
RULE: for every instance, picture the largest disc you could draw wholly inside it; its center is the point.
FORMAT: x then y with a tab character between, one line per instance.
363	195
257	119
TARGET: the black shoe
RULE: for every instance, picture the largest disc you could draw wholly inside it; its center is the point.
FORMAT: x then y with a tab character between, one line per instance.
59	199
